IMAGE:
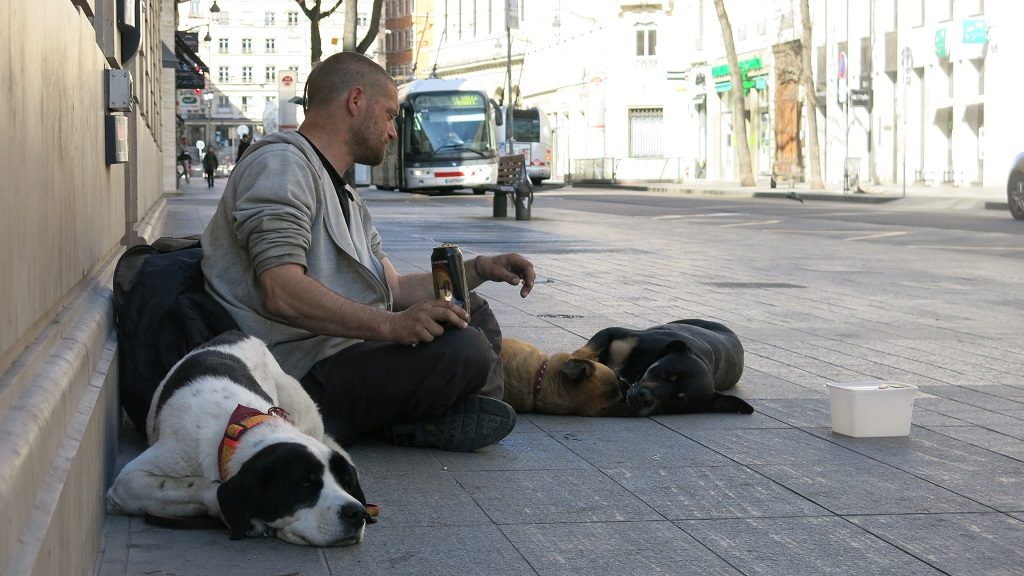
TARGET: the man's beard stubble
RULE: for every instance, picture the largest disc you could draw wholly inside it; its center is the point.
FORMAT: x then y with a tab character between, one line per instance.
367	150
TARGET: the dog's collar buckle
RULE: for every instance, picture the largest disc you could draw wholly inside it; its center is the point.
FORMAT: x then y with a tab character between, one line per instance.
242	420
537	381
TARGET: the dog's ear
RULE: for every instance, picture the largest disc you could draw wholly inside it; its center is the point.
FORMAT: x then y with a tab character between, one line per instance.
345	472
730	405
577	369
672	347
238	496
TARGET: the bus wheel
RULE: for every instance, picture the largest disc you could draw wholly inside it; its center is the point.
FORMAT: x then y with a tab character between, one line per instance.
478	191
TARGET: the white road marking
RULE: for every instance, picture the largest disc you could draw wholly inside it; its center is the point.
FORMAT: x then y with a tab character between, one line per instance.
750	223
879	235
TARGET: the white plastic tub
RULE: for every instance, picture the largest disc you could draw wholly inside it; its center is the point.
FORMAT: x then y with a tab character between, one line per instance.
868	409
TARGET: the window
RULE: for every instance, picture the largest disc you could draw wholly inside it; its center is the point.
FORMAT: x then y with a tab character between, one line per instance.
223	74
246	100
222	45
293	18
271	45
645	132
247	74
646	42
223	103
271	74
193	8
269	19
246	45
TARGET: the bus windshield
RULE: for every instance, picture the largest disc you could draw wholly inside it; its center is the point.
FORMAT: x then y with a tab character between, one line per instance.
449	124
526	125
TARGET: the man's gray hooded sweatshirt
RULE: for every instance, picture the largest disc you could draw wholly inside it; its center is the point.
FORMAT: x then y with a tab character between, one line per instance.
280	207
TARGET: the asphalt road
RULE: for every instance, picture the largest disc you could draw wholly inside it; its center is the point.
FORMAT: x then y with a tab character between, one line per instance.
912	223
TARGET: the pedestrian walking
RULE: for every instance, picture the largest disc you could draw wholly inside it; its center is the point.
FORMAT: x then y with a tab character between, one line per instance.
243	145
210	164
184	161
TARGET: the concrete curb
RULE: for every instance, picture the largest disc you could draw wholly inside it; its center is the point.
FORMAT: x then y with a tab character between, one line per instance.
940	201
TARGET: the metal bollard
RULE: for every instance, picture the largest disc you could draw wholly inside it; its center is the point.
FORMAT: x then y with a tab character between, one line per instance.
524	201
500	204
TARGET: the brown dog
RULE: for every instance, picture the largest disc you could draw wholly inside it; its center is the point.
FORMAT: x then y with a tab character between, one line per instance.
559	384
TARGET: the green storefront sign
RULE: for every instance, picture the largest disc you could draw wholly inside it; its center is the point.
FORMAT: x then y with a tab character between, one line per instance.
941	50
758	82
975	31
745	65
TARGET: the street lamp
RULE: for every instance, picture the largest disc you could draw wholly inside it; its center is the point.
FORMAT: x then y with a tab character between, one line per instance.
214	9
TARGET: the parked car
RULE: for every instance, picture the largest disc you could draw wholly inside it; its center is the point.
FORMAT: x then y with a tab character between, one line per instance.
1015	188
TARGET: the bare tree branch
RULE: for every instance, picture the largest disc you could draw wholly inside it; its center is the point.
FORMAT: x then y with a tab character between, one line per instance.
331	11
371	34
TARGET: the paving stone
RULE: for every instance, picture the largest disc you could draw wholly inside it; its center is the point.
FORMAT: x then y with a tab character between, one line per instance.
684	423
612	549
799	412
518	451
1007	424
421	551
966	544
212	553
539	496
981	475
773	446
712	492
802	546
374	457
985	438
422	499
864	486
928	418
653	444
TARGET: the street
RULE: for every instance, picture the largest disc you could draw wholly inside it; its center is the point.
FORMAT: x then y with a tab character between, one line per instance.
912	224
775	492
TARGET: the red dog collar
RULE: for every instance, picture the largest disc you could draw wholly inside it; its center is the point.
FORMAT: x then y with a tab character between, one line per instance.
242	420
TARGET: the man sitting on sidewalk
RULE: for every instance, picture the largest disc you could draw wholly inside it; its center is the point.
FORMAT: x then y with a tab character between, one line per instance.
293	255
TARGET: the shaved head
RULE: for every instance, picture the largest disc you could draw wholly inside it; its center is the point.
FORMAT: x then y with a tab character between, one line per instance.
337	75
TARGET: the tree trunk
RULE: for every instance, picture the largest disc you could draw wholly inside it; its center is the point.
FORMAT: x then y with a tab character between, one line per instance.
314	35
348	37
739	108
788	78
813	156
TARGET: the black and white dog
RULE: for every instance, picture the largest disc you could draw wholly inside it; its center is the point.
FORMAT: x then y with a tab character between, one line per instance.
232	436
676	368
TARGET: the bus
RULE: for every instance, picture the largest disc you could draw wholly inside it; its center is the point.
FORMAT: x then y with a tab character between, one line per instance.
446	139
531	137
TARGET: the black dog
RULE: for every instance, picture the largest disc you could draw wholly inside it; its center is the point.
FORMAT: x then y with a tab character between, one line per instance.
675	368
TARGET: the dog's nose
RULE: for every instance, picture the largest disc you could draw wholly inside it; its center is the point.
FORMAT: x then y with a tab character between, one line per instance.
640	396
352	513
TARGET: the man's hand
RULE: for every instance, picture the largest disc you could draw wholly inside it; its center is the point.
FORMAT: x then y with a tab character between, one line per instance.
424	321
510	268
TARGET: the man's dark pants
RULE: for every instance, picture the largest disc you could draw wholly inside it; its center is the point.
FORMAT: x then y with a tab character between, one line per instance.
370	385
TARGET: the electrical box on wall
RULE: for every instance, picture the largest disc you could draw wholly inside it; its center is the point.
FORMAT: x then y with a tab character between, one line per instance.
116	128
119	90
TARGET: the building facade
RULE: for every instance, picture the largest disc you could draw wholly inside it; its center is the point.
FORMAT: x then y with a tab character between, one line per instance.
641	90
259	56
88	156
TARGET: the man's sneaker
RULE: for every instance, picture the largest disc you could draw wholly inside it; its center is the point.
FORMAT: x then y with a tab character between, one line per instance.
471	423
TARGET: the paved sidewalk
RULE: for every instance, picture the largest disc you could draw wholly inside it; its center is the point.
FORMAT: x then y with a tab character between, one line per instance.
773	493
